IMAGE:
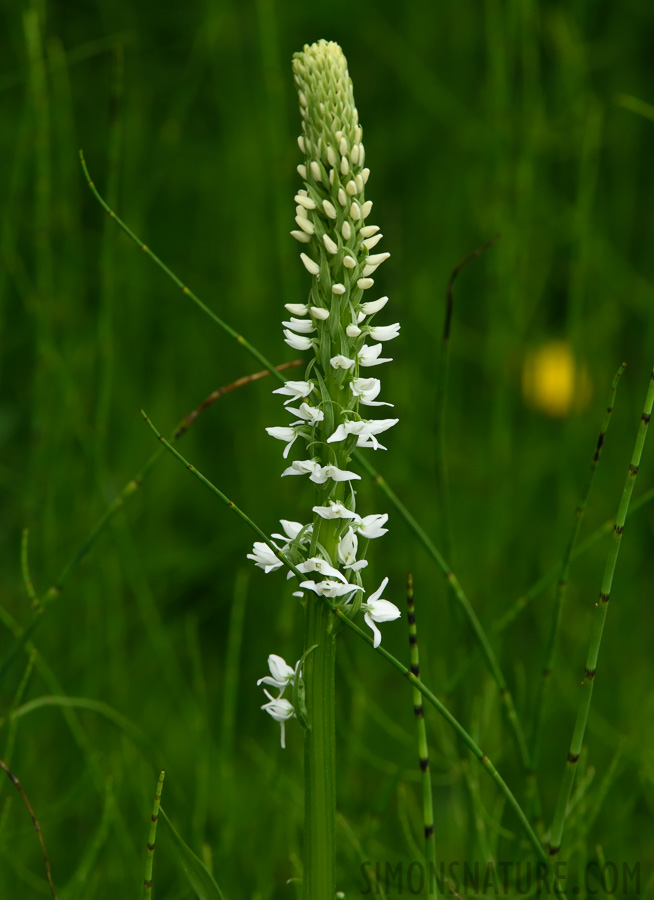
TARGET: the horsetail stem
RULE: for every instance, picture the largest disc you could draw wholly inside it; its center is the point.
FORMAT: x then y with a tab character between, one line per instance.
152	834
597	630
562	581
423	747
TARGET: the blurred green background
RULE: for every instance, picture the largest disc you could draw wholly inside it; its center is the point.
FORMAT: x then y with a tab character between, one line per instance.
532	120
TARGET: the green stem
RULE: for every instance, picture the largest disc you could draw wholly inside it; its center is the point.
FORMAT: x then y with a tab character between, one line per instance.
152	833
597	630
562	581
423	747
319	755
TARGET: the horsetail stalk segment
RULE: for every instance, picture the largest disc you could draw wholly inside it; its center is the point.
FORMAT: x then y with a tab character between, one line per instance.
343	614
152	834
562	582
423	747
370	469
601	606
132	486
523	601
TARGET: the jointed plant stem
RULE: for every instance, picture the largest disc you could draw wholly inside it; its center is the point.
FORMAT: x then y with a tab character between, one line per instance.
423	747
562	582
602	605
404	670
154	818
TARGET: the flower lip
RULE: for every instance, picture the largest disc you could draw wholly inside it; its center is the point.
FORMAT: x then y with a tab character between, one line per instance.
335	510
330	588
296	341
370	356
385	332
301	326
379	610
294	390
284	433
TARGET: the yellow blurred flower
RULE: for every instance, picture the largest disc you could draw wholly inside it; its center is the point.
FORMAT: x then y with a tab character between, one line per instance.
554	382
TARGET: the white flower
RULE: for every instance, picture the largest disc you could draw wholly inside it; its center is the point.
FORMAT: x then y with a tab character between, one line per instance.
304	467
311	267
353	331
295	389
369	356
330	245
365	283
330	209
264	557
281	674
328	588
373	261
305	201
283	433
302	326
319	313
366	389
378	610
371	526
307	413
281	710
317	473
364	429
373	306
316	564
297	309
292	530
342	362
340	474
338	288
347	551
385	332
296	341
335	510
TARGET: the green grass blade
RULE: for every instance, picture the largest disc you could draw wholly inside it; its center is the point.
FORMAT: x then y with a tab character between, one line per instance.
197	874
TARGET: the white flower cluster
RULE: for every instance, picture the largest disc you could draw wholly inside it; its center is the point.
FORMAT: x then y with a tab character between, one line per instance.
335	325
281	675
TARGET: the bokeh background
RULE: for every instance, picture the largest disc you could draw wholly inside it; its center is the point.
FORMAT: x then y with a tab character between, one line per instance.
534	121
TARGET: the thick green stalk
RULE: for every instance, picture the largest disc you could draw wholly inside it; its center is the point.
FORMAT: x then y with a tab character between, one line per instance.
319	754
601	606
